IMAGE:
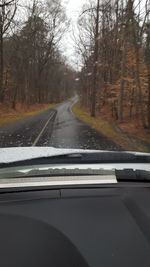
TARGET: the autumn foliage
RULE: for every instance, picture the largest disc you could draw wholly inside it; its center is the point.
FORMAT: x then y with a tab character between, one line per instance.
121	71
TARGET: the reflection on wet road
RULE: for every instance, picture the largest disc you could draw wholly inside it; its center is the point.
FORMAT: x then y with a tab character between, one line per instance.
58	127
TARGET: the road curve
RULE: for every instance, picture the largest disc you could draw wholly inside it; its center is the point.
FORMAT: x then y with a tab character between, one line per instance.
58	127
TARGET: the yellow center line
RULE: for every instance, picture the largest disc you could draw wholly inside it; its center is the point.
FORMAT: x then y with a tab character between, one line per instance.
42	131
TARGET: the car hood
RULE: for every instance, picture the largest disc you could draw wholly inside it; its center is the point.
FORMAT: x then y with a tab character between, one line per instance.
16	154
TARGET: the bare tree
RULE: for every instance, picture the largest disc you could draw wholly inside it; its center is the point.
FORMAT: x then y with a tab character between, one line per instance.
7	13
37	70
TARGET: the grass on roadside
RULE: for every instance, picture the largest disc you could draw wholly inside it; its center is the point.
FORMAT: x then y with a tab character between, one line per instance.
108	130
13	116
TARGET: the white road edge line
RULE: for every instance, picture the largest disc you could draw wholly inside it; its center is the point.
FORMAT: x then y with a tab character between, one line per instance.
72	106
42	131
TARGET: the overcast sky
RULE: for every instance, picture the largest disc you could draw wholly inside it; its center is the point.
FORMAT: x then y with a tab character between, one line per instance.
73	8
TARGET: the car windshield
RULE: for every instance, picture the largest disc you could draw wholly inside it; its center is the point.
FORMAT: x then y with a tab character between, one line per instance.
75	74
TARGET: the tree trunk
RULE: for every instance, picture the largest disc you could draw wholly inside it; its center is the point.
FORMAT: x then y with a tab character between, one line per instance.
1	64
148	104
94	91
14	101
138	84
131	103
121	93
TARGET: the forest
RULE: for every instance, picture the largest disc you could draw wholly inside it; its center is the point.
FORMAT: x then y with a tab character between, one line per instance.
114	47
32	67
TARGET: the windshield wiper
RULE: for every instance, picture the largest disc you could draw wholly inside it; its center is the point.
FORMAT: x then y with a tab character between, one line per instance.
130	175
84	158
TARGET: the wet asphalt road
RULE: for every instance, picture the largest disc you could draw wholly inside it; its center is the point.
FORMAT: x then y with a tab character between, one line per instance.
58	128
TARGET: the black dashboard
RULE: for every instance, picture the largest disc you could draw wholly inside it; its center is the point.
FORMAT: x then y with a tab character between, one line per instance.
106	226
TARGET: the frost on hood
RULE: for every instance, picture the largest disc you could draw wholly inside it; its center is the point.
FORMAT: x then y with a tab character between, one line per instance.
8	155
